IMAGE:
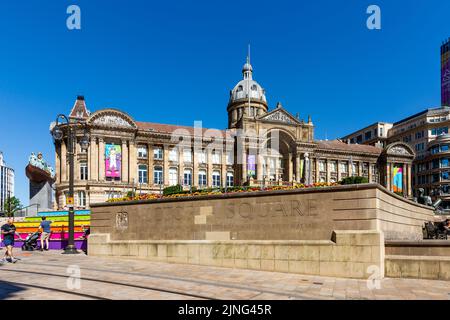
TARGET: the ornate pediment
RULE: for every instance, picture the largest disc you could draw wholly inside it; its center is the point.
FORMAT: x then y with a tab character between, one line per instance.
280	115
112	119
399	149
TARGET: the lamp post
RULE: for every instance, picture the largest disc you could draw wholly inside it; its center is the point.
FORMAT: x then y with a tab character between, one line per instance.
58	136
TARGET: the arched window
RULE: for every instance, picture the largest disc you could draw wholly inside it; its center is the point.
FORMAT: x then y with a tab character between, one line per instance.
216	179
239	89
230	179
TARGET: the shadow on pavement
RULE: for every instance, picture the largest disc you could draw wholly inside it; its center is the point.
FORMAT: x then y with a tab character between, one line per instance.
8	290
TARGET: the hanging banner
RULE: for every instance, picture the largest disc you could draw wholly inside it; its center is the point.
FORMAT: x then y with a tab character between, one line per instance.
397	179
251	166
113	161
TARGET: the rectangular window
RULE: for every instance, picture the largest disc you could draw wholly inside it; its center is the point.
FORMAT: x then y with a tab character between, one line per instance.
381	131
187	177
142	152
343	167
157	175
173	176
230	179
215	157
359	139
355	169
202	157
444	148
187	155
173	155
83	171
216	179
202	178
435	164
444	162
81	198
333	166
158	153
368	135
143	174
445	175
322	166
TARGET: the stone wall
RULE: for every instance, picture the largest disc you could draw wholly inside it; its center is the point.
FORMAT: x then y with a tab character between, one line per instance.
308	214
353	254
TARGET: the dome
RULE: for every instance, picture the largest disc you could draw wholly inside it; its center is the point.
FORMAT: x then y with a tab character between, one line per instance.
246	85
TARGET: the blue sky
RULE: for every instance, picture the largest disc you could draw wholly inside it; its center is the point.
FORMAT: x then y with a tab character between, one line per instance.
175	62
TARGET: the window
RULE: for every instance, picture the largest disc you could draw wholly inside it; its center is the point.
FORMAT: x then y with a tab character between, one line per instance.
81	198
352	140
435	178
142	152
375	132
216	179
187	155
158	153
215	157
173	155
343	167
158	175
354	168
444	148
202	178
439	131
333	166
83	171
229	157
202	157
445	175
381	132
435	164
187	181
143	174
173	176
444	162
322	166
368	135
359	139
230	179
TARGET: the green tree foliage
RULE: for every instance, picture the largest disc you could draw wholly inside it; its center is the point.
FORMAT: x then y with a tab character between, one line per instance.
12	205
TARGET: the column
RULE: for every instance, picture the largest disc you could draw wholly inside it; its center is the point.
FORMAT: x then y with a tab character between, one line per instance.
405	181
101	159
388	177
132	158
150	164
298	177
327	166
317	170
166	165
244	166
307	169
181	165
410	194
63	170
93	167
223	174
290	168
125	162
259	168
210	166
350	168
195	167
370	172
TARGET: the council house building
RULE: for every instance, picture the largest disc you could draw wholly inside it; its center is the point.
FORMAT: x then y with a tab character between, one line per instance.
128	155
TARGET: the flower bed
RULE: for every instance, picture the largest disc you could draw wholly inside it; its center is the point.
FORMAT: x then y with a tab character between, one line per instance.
216	191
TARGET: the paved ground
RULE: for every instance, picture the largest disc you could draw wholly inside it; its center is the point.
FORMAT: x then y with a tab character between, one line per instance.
47	276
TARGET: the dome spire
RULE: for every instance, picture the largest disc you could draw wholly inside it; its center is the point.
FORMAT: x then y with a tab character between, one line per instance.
247	69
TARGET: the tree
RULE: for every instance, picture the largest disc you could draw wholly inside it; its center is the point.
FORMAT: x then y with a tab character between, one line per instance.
12	205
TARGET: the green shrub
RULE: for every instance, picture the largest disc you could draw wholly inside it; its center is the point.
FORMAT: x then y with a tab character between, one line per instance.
172	190
354	180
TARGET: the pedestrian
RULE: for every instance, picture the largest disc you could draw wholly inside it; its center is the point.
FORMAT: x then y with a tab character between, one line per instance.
8	231
45	235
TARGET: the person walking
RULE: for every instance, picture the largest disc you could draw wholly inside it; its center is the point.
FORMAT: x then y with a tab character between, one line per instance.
8	231
45	227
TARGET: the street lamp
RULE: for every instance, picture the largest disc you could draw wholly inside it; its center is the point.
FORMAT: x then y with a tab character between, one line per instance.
58	135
